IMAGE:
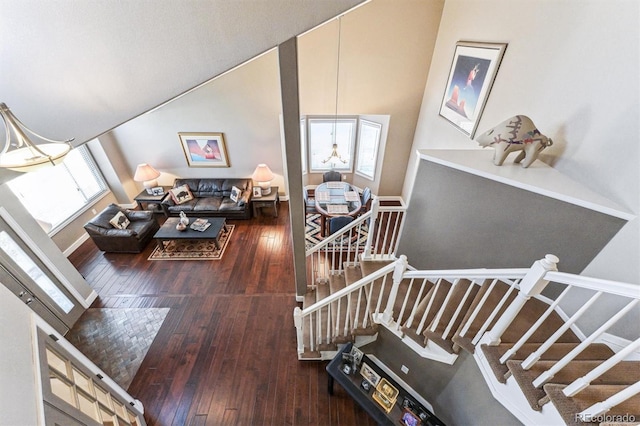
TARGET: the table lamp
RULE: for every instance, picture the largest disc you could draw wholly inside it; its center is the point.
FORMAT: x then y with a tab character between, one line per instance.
263	175
146	174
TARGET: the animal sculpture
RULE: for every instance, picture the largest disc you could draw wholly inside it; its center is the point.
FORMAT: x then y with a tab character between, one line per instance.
517	133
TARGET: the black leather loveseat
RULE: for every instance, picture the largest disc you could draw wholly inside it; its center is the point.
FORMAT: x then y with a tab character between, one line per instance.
209	197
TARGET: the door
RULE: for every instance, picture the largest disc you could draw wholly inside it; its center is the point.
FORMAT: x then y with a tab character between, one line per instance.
26	275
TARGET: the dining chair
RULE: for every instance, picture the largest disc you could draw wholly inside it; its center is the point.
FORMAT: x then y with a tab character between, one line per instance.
309	202
331	176
338	222
365	199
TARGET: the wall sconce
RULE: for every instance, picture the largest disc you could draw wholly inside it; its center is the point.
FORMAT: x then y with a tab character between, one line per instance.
148	175
24	155
263	175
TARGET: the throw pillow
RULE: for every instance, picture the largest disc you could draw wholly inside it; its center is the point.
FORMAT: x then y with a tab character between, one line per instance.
181	194
235	194
120	221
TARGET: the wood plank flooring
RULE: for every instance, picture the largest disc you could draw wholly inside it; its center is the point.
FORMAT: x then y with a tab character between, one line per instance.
226	352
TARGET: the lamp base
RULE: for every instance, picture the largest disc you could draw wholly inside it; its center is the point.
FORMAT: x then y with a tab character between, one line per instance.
266	189
149	185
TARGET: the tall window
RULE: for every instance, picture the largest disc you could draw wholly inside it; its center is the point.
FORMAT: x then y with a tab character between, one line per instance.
55	195
325	134
368	141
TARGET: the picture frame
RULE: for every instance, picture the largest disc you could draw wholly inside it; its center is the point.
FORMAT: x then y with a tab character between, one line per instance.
235	194
158	190
368	373
473	71
409	418
257	192
357	356
204	149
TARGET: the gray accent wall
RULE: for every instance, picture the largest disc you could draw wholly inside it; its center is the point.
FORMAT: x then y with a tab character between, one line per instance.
458	393
458	220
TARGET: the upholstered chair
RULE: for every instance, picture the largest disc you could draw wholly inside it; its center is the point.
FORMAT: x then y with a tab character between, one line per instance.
336	223
309	202
331	176
132	239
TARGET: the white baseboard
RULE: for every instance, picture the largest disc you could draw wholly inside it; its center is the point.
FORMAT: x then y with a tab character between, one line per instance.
77	243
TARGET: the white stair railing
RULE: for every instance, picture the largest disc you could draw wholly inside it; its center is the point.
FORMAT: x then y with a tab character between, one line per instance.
523	285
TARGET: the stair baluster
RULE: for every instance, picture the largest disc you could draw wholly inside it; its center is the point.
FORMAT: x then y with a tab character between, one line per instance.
531	285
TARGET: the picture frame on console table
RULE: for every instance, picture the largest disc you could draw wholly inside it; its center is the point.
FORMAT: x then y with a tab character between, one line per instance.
257	192
473	71
204	149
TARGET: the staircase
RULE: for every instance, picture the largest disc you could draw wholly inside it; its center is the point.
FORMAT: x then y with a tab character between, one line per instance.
535	359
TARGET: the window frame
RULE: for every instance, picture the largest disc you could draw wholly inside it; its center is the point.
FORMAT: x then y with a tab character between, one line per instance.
310	120
378	127
103	189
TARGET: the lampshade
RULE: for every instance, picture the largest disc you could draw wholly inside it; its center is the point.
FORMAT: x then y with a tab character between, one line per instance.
263	175
147	174
24	155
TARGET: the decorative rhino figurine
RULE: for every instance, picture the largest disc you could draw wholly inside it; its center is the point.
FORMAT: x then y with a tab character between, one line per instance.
517	133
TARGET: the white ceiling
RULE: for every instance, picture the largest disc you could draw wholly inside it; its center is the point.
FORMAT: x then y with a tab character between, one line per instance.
77	68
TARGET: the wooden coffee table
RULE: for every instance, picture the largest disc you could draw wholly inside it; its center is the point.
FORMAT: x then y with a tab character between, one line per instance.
168	231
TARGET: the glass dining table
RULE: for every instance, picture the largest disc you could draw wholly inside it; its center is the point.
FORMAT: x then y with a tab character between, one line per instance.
336	199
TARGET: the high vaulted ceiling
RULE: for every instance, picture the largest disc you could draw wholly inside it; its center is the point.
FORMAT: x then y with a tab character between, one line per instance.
78	68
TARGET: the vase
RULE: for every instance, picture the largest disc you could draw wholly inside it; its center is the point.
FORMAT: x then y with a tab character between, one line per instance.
181	226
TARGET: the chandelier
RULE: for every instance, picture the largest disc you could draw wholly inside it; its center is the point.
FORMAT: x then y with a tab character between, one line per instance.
24	155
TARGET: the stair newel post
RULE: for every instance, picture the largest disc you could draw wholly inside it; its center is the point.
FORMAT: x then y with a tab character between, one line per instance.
297	321
375	204
531	285
398	273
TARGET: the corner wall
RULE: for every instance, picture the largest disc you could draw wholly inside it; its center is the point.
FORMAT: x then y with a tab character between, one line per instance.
572	67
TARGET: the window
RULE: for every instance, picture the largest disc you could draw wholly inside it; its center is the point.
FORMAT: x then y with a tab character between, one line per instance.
342	144
325	134
55	195
368	141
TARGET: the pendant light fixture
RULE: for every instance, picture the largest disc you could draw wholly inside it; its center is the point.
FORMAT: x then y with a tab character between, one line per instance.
23	154
335	155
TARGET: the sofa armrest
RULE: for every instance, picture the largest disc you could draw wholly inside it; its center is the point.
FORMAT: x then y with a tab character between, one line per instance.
246	196
109	232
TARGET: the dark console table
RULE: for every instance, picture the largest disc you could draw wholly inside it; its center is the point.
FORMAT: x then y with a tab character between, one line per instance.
352	384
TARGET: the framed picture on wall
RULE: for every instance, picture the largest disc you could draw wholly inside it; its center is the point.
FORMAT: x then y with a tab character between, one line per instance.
204	149
473	70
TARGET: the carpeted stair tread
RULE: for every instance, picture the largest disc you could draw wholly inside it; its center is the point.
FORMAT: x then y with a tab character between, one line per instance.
495	296
457	297
358	312
322	291
438	294
339	310
624	373
570	407
370	266
531	311
595	351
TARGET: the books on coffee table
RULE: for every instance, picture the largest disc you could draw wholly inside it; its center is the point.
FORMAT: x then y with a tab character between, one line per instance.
200	224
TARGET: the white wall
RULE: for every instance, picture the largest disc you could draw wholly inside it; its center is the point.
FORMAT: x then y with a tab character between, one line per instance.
243	104
571	66
19	396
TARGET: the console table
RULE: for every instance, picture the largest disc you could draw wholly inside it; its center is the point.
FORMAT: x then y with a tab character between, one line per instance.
352	384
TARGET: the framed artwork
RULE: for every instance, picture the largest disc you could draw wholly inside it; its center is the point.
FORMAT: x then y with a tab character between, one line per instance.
409	419
369	374
257	192
204	149
473	70
158	190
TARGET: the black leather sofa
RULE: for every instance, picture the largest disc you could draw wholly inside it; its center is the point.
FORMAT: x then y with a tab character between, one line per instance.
133	239
212	198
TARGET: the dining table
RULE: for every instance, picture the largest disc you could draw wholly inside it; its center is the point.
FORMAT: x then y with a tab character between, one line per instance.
336	198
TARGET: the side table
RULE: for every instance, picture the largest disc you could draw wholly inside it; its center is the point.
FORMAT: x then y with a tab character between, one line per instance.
151	202
270	200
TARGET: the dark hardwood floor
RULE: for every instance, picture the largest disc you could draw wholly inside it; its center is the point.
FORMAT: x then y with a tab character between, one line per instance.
226	352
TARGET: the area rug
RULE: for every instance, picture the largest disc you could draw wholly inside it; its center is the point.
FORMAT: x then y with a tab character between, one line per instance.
193	249
117	340
313	234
